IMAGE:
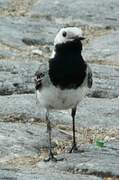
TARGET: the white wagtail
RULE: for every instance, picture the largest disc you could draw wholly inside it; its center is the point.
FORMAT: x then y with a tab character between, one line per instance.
64	80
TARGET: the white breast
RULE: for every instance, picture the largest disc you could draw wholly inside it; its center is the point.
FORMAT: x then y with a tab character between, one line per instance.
55	98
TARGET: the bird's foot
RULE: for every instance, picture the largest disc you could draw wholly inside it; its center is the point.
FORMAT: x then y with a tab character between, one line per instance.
52	158
75	149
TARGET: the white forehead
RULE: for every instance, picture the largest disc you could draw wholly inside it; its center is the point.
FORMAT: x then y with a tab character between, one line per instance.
71	32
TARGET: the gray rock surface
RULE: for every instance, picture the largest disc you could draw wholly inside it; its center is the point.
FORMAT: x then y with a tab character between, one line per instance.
105	81
21	149
95	12
33	175
4	4
14	30
17	77
92	112
104	49
94	161
20	140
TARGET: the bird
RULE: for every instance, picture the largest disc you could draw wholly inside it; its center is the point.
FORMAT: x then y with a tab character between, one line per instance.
63	81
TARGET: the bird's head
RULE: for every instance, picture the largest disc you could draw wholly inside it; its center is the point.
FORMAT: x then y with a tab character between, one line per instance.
68	34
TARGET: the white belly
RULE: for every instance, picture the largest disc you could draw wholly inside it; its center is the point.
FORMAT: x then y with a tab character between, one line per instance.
56	98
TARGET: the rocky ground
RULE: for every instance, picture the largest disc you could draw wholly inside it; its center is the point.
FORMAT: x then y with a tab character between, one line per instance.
27	29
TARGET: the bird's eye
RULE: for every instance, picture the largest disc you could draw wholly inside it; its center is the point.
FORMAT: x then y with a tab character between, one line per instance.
64	34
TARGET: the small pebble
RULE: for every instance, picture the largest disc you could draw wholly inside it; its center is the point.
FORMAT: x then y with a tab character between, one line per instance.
37	52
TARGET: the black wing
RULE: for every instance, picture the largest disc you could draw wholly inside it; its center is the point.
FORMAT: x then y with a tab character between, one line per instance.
38	80
39	76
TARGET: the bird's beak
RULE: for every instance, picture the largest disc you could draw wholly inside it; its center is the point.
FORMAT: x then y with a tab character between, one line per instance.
81	38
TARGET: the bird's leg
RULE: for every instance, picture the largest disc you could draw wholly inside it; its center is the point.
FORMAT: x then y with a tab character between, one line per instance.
51	155
74	146
36	98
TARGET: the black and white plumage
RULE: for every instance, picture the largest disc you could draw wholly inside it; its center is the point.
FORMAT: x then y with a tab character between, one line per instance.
64	80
